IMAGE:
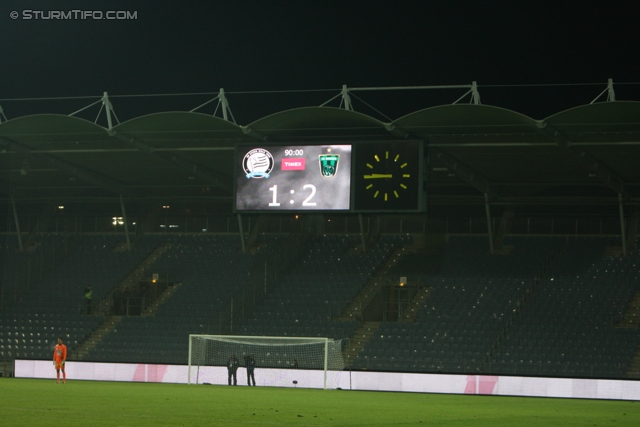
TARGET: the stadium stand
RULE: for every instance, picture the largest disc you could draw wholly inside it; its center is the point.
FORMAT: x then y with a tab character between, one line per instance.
53	306
546	305
514	314
319	288
567	327
209	270
545	193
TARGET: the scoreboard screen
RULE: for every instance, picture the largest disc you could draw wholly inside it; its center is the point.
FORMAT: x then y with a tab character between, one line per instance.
301	178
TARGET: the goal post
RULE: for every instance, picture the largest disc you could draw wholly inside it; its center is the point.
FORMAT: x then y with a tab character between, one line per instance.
301	357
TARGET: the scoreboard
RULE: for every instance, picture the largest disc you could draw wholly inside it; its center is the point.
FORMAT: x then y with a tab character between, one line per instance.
362	177
311	177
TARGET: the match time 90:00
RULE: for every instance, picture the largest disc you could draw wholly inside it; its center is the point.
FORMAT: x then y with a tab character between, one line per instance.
295	152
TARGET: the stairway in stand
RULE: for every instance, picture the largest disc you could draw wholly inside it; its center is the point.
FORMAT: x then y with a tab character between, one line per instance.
634	367
409	315
96	336
152	309
369	291
631	316
132	280
360	338
631	319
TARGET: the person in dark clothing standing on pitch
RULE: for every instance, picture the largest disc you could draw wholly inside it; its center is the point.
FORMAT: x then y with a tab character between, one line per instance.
251	366
232	369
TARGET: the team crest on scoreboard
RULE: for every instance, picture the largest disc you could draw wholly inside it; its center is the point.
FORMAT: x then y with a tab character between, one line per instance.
328	164
258	163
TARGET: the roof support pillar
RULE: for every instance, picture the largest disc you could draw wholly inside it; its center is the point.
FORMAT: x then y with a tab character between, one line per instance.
475	95
623	233
244	249
222	99
346	99
611	94
15	218
108	108
362	238
489	230
126	223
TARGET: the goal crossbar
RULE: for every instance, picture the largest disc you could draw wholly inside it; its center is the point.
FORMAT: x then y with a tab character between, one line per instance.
315	353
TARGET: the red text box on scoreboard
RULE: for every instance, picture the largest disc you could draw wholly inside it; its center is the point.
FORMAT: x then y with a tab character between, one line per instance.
293	164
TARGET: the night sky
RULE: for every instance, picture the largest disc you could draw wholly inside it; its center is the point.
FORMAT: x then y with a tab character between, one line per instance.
317	46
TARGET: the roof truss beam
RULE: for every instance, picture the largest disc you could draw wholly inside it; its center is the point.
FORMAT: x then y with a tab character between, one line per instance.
218	180
599	169
463	172
74	170
6	188
247	130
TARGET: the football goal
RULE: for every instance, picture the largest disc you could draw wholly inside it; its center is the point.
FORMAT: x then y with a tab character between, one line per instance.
298	360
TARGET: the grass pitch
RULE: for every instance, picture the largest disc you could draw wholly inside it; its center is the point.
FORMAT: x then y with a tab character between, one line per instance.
29	402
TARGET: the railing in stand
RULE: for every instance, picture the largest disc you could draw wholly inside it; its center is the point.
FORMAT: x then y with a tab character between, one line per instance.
262	276
516	312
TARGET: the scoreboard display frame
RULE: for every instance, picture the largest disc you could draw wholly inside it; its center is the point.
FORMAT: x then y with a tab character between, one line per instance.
375	176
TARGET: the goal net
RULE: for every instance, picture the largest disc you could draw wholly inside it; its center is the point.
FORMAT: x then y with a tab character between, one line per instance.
279	361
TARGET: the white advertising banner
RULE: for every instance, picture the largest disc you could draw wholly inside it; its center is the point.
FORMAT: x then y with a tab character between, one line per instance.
360	380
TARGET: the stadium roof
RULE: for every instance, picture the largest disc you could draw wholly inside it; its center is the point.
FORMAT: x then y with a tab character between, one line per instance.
588	154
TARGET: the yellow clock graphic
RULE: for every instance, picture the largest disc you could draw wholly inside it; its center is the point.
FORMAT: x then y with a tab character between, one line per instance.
387	175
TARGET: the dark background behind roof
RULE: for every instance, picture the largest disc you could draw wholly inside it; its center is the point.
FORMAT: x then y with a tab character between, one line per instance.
175	47
534	58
